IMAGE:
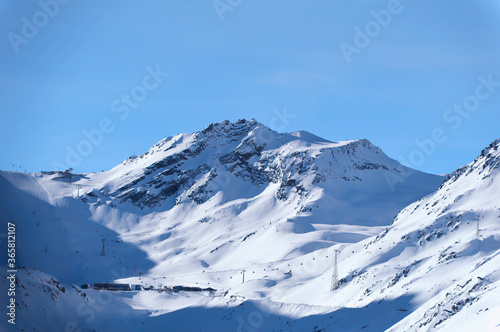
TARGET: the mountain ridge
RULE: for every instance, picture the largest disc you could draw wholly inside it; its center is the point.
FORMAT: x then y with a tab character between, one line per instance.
245	149
278	212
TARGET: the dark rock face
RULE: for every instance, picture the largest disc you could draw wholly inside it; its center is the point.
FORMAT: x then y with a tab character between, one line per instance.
169	177
245	150
487	162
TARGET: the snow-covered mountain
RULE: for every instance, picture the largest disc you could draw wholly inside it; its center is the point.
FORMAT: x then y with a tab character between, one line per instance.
228	188
439	261
198	209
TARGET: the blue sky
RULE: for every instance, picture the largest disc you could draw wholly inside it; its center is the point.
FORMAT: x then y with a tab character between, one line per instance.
247	59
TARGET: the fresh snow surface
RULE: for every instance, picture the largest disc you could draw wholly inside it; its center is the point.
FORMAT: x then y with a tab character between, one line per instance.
198	209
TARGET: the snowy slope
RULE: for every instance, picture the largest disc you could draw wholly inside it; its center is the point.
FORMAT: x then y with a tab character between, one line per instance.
432	265
199	208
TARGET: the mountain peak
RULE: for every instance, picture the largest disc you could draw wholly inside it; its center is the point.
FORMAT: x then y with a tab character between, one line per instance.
493	150
484	165
190	168
309	137
490	157
227	125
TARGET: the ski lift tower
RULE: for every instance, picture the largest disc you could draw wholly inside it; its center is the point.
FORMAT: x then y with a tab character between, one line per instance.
335	274
103	253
